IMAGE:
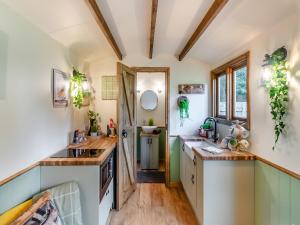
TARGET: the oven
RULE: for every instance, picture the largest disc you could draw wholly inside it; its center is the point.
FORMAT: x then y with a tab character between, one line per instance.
106	174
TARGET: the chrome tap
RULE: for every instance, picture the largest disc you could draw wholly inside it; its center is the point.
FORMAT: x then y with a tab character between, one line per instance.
215	136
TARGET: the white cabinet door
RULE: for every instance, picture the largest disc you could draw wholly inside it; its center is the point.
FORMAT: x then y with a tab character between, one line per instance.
106	204
199	190
181	161
154	152
145	152
191	181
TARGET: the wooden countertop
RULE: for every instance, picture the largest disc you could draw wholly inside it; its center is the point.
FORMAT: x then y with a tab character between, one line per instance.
106	143
226	155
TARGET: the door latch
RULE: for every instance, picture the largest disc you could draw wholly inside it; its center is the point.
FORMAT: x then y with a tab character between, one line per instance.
124	133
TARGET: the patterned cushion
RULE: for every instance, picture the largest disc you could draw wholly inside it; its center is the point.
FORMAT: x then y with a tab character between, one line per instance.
43	211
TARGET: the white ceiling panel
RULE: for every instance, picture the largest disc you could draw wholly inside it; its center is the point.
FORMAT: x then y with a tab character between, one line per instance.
71	23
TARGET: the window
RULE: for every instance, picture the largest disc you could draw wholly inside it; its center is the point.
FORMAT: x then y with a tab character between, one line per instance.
230	90
240	93
222	96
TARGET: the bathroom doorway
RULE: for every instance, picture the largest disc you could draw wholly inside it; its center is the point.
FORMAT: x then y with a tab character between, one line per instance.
152	87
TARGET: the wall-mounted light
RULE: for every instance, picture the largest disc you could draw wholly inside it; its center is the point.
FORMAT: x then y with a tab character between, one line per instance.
267	71
267	68
86	85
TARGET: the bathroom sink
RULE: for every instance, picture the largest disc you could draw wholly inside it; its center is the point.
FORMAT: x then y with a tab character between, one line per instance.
148	129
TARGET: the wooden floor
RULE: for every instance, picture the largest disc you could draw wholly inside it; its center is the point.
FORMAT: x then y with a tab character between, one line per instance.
154	204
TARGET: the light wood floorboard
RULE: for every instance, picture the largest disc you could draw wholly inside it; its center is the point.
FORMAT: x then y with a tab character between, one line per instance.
154	204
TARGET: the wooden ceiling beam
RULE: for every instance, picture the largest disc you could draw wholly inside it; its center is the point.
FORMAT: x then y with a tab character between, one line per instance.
152	28
211	14
104	27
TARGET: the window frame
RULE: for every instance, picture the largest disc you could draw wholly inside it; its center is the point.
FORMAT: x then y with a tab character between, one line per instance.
228	69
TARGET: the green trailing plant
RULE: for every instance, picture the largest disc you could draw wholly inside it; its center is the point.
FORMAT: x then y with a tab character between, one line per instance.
77	89
278	91
151	122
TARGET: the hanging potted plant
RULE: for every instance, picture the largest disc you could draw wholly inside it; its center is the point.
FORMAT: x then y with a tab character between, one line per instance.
183	104
79	88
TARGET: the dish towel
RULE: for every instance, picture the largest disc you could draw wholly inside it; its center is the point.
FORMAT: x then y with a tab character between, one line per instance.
67	200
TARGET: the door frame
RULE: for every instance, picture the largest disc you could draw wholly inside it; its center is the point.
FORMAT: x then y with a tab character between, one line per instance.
165	70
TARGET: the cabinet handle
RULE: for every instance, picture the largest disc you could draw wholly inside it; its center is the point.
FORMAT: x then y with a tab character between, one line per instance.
193	179
195	161
182	148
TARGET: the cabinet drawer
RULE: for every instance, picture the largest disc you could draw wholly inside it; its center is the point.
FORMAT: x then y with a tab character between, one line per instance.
106	204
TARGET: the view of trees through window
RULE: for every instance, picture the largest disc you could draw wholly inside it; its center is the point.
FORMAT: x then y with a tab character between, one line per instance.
222	101
240	92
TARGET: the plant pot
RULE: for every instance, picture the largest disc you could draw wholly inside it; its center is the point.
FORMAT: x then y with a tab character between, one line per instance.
94	134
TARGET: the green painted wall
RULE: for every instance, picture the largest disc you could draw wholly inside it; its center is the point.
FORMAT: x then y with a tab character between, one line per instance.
277	197
20	189
162	143
174	159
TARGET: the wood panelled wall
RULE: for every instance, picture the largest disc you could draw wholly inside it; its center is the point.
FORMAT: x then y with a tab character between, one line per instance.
277	196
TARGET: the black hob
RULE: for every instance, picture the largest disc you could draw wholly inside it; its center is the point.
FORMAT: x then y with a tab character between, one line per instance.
78	153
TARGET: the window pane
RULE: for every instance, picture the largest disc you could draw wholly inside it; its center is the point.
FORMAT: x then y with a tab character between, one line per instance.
240	93
222	95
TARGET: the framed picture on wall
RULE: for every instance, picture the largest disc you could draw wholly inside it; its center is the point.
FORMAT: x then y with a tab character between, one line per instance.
191	88
60	87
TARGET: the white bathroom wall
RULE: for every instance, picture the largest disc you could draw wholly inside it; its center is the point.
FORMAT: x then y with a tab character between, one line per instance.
287	153
154	82
30	128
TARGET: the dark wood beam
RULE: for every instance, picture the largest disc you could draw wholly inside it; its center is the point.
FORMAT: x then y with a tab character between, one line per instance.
104	27
152	28
211	14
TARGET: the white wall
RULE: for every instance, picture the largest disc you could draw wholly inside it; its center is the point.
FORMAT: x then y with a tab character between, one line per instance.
154	82
287	152
106	108
30	128
187	71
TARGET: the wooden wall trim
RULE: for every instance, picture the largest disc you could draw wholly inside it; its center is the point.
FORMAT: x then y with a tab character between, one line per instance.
152	27
211	14
104	27
21	172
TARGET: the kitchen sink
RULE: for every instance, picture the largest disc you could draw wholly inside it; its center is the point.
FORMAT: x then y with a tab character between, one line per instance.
203	145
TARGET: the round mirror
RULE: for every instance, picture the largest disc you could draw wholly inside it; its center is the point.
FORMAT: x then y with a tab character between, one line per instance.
149	100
